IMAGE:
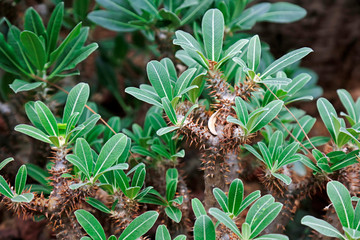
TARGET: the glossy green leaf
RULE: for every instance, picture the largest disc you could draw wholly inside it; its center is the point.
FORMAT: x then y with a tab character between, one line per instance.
32	132
90	224
20	179
98	205
266	117
34	49
225	219
235	196
198	207
174	213
141	95
5	162
213	33
54	26
5	189
169	110
22	86
25	197
33	22
285	61
204	228
76	101
283	12
248	200
47	119
162	233
340	197
159	79
254	53
321	226
139	226
326	111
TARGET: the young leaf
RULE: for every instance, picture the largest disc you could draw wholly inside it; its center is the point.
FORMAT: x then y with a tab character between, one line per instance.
285	61
32	132
34	49
162	233
321	226
213	33
76	101
110	152
348	103
254	53
20	180
90	224
139	226
204	228
47	118
222	199
169	110
5	189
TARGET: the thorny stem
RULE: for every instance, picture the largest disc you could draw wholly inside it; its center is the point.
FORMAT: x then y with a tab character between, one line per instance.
287	109
62	89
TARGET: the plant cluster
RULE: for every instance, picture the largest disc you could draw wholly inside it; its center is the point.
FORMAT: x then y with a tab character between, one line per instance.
212	86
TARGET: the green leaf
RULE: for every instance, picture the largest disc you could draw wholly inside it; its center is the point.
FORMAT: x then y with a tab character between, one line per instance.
77	98
276	81
32	132
195	11
198	207
254	53
285	61
5	189
235	196
222	199
139	226
76	161
283	12
33	22
169	110
326	111
165	130
266	117
139	176
340	197
241	110
162	233
90	224
225	219
143	96
348	103
321	226
184	80
83	152
297	83
204	228
248	200
5	162
174	213
115	124
213	33
47	119
72	35
38	174
272	237
26	197
86	127
286	179
98	205
180	237
32	115
352	232
54	26
159	79
22	86
34	49
110	152
20	180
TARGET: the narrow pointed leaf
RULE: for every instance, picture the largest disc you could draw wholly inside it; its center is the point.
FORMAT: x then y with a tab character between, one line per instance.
20	180
90	224
139	226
